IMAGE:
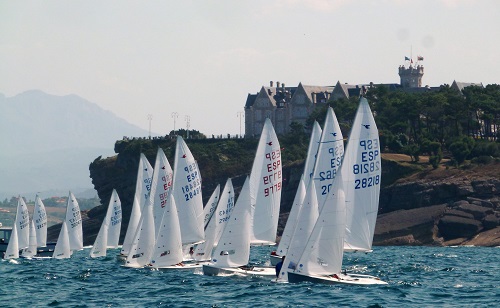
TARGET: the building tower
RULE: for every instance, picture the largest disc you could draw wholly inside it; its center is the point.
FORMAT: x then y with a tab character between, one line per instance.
411	76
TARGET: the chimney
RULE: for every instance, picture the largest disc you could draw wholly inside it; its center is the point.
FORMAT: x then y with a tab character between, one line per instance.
283	85
271	83
277	84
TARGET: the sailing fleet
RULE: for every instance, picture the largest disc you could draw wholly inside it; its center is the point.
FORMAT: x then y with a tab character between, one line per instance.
334	212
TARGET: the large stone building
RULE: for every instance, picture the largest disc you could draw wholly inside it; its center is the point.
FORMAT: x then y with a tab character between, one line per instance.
284	105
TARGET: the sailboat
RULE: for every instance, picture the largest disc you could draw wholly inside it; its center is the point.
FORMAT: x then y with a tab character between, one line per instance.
187	194
70	236
213	232
168	253
30	251
44	249
12	251
363	185
265	188
291	223
232	253
40	218
152	213
19	238
142	187
304	226
307	175
144	239
22	222
161	186
109	233
74	223
63	246
321	259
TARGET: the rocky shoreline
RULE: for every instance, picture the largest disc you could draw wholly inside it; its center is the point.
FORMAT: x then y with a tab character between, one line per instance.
442	207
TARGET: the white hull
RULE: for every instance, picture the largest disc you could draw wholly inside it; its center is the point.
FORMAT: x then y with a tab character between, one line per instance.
357	250
342	279
132	265
185	266
262	243
211	270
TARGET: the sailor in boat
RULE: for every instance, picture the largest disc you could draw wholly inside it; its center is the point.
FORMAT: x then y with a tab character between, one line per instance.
279	265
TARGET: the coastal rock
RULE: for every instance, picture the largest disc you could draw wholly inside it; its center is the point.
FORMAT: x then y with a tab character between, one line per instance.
451	226
480	202
491	221
490	238
478	212
470	198
409	227
458	213
485	188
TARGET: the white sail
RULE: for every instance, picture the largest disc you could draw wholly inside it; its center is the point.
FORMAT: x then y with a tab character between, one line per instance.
307	175
216	224
144	239
306	220
233	249
109	232
312	153
74	223
324	249
168	245
265	186
142	188
187	194
114	217
160	187
293	217
329	157
31	250
40	218
23	223
62	249
362	180
210	206
12	251
99	247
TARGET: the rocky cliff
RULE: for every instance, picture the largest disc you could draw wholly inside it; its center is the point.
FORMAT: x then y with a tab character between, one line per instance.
418	205
446	206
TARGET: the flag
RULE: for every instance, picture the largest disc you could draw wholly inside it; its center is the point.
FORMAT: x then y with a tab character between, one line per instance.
407	59
420	58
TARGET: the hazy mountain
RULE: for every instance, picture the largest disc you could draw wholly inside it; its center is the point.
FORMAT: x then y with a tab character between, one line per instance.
47	142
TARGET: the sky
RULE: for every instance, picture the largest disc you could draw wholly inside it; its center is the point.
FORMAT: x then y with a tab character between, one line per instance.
200	59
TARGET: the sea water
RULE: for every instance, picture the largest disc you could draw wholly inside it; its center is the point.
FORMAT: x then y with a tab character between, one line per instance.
416	276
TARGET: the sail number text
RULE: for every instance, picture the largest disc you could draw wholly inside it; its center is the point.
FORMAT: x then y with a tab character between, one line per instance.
370	162
272	179
192	189
336	152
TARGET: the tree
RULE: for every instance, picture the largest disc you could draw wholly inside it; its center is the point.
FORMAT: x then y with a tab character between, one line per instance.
461	148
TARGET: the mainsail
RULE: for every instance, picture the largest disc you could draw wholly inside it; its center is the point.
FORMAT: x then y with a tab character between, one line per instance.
265	187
